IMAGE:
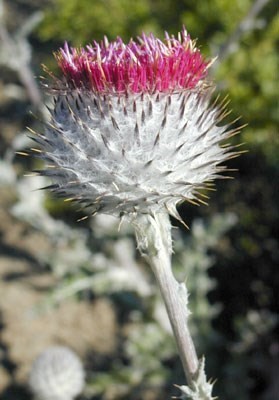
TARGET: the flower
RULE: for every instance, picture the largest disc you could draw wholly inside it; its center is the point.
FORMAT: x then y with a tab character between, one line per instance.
132	129
56	374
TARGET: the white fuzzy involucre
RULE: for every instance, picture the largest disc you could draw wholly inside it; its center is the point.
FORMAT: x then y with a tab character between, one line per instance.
57	374
133	153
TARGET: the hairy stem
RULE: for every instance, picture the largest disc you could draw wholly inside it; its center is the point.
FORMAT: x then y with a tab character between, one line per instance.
175	298
154	242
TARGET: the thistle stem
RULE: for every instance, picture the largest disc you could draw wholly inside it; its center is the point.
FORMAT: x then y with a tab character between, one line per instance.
154	242
174	295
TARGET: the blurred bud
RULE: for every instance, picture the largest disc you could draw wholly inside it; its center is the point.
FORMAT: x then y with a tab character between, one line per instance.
57	374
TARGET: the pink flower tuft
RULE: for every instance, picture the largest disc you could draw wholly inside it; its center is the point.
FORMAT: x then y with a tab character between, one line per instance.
148	65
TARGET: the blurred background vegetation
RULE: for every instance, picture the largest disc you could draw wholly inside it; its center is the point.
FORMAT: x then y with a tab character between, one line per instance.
230	257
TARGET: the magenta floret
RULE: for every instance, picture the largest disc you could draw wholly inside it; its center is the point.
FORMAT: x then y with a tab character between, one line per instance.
147	65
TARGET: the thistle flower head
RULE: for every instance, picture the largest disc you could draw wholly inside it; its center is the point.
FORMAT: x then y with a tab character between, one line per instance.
57	374
132	130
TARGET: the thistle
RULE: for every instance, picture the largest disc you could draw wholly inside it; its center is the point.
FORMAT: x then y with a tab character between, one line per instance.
56	374
133	133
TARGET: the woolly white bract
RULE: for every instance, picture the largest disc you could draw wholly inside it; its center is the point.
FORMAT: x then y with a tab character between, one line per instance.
135	153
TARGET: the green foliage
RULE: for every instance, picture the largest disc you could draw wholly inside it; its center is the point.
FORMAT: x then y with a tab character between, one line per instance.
251	81
81	21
